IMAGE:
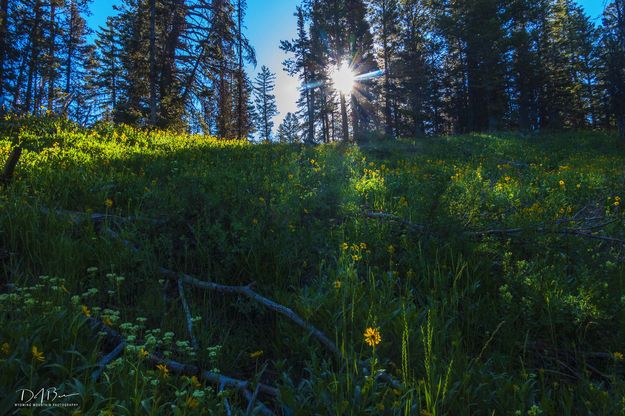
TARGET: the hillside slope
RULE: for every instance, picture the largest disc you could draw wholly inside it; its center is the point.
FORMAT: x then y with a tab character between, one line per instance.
486	271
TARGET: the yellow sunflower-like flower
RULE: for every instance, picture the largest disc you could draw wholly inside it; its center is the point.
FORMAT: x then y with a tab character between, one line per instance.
37	355
195	382
191	402
162	368
372	337
86	311
618	356
143	353
337	284
256	355
108	203
562	183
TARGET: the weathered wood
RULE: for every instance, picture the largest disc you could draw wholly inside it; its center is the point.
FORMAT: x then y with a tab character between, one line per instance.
9	168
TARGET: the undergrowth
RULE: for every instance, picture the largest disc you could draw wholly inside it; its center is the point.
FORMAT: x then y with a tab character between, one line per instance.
468	316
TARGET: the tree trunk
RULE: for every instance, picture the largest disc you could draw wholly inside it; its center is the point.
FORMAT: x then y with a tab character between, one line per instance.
344	121
69	61
240	85
388	114
34	55
153	62
51	53
4	14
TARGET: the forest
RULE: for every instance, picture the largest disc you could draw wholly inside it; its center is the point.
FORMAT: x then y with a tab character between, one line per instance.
436	228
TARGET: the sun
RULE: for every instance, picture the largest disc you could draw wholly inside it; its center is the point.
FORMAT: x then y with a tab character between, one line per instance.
343	78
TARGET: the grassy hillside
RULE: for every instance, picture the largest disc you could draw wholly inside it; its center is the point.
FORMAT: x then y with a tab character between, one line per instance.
491	267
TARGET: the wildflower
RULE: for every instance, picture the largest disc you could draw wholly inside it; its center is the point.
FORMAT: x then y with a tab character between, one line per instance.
191	402
143	353
107	321
391	249
579	185
256	355
356	257
372	337
6	348
403	201
86	311
108	203
337	284
363	246
195	382
345	246
617	201
162	368
618	356
562	183
261	200
37	355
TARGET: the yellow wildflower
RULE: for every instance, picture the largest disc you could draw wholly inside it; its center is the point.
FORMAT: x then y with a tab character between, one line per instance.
337	284
6	348
345	246
195	382
391	249
618	356
562	183
163	370
37	355
86	311
372	337
192	402
363	246
107	321
256	355
143	353
356	257
261	200
617	201
108	203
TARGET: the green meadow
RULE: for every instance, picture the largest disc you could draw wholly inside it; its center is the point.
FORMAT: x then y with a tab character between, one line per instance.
470	275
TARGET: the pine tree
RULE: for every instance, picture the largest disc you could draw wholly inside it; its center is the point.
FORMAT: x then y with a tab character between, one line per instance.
265	101
385	16
289	129
301	64
613	46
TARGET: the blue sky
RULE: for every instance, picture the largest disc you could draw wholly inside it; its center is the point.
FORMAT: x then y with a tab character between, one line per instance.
268	22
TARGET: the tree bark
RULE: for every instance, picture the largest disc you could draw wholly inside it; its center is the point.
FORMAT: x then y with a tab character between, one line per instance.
34	55
51	53
153	62
344	121
4	14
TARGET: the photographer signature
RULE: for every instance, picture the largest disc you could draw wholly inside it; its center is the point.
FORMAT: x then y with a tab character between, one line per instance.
44	395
